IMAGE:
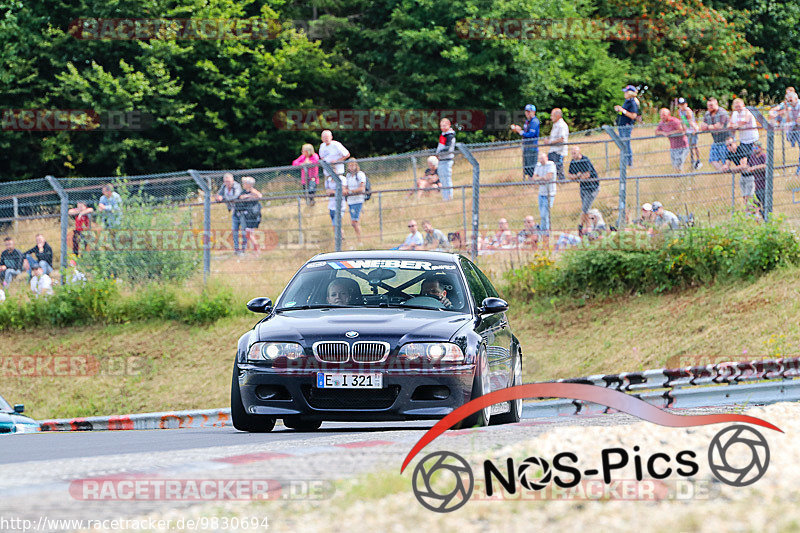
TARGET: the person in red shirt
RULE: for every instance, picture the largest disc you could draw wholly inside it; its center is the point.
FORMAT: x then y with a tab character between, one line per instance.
672	128
83	222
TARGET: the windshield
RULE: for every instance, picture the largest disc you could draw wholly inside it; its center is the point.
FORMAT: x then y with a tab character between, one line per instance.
4	406
376	283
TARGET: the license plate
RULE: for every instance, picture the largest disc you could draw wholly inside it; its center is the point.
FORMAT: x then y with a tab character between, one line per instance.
349	381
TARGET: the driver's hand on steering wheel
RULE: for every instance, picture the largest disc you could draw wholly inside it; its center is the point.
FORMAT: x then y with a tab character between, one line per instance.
440	296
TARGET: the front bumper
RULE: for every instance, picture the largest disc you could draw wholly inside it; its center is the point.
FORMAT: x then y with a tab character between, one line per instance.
406	394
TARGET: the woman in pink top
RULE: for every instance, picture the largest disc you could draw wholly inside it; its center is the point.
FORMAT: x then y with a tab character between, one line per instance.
310	182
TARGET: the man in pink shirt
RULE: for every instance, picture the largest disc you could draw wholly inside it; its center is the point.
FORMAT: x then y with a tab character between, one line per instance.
672	128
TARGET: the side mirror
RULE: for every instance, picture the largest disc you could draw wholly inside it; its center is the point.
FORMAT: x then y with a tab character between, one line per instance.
490	306
260	305
19	408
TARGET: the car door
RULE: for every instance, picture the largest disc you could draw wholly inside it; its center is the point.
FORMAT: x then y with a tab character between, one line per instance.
502	335
488	327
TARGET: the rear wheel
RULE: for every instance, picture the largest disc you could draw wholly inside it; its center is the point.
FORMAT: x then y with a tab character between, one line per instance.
515	413
480	386
242	420
299	424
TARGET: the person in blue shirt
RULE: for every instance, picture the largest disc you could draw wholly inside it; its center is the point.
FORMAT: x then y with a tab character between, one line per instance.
530	140
110	207
626	117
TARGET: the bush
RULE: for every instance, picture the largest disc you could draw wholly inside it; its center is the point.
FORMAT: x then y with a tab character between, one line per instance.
103	301
740	250
149	219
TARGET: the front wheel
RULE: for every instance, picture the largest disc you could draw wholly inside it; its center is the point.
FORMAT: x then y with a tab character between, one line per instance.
515	406
242	420
480	387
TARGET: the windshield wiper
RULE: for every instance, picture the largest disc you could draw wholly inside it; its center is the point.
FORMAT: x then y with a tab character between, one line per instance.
412	306
314	306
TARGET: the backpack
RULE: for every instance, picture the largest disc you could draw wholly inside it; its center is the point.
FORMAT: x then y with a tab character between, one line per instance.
367	189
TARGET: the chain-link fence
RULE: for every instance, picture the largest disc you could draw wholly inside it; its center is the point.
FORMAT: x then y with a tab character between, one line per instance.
192	223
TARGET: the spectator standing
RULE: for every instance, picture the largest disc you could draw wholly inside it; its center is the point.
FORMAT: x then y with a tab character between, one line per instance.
445	152
309	172
250	207
230	193
41	254
11	262
627	113
545	174
756	167
83	222
735	161
110	207
744	121
787	114
414	240
672	128
686	115
434	239
333	152
330	190
41	283
663	218
355	185
431	179
530	140
582	169
559	134
716	121
529	235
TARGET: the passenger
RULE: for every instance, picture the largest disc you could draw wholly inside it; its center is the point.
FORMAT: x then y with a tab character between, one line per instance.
344	291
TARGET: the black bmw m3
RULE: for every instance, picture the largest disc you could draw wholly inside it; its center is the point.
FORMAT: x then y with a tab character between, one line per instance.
376	336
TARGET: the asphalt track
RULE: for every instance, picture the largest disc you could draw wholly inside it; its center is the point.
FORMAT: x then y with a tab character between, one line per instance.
71	445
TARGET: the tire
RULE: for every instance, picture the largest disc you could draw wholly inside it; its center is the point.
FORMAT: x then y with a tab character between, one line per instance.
299	424
480	386
242	420
515	406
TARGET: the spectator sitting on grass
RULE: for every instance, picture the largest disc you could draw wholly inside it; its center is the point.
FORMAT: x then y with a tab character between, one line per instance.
41	254
414	240
83	222
41	282
672	128
502	238
110	207
567	240
431	180
528	237
434	239
596	226
309	173
646	218
11	262
76	276
663	218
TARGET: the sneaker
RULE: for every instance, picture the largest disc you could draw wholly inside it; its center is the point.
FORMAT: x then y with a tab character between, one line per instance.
698	165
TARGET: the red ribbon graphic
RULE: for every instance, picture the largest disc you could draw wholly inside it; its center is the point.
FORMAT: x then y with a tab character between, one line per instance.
577	391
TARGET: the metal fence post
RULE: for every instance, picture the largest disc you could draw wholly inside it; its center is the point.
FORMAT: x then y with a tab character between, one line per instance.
300	240
204	186
769	171
464	211
608	165
623	174
15	203
62	194
380	214
337	222
414	170
476	185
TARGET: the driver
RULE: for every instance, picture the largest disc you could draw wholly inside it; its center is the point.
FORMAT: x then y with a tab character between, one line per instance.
433	288
343	291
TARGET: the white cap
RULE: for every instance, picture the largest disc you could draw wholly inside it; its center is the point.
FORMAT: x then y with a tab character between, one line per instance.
647	207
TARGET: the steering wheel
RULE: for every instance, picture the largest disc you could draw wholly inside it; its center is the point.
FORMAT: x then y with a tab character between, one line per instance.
425	301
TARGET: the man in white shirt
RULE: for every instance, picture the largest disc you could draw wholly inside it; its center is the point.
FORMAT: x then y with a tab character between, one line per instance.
41	282
333	152
744	121
559	134
545	174
415	240
664	219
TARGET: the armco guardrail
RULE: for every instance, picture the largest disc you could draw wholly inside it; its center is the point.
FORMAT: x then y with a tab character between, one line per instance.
714	385
166	420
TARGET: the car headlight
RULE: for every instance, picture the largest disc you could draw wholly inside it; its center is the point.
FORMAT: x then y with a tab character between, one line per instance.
270	351
25	428
433	352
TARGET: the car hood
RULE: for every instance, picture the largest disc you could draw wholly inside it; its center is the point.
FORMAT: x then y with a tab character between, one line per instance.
396	326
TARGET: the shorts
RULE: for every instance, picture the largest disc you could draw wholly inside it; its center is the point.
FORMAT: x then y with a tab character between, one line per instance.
794	137
718	151
745	149
692	137
587	197
355	211
678	156
747	184
252	222
333	215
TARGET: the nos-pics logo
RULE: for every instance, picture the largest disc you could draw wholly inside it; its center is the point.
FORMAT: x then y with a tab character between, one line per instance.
444	481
